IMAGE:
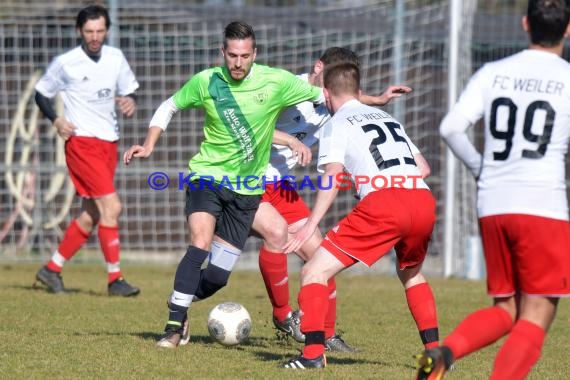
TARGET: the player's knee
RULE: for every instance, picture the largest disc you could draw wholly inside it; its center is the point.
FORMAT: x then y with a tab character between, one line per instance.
310	274
109	212
87	222
509	304
200	240
276	237
213	279
114	210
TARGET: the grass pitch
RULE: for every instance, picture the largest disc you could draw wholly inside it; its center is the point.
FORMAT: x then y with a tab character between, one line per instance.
88	335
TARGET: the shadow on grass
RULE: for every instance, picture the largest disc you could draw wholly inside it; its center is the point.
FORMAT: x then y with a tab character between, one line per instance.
68	291
332	359
208	340
155	336
42	288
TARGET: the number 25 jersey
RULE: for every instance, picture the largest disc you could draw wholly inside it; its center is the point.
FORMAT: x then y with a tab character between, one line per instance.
525	102
371	145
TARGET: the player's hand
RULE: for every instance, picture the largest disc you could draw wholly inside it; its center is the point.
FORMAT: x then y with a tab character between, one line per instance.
64	128
393	92
299	236
301	152
127	105
136	151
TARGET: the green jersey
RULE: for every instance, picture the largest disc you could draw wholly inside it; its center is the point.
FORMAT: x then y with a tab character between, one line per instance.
240	119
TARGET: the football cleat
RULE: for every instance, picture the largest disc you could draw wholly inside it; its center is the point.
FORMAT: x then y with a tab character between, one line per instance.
171	337
433	363
291	326
304	363
185	338
120	287
50	279
336	344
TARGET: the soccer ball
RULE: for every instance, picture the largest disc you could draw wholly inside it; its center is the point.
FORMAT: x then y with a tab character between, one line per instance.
229	323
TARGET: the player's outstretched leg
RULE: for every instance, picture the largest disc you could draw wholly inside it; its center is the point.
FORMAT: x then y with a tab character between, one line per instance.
75	236
313	300
185	284
333	341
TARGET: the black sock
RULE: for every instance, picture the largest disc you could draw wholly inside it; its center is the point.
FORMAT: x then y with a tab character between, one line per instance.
212	279
187	279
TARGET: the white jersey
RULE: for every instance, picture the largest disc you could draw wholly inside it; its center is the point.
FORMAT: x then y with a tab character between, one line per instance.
525	102
302	121
88	89
371	144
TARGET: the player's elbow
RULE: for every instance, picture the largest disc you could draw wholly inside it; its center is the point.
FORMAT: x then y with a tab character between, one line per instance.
425	171
446	126
453	123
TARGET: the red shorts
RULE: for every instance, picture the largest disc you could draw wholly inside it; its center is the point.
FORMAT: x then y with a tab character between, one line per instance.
286	201
526	253
91	163
394	217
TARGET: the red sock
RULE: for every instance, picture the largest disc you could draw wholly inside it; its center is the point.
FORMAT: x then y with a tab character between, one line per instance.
313	301
478	330
422	306
111	247
73	239
520	351
273	267
330	317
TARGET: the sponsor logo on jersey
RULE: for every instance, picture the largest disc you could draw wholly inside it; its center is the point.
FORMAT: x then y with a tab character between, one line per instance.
104	93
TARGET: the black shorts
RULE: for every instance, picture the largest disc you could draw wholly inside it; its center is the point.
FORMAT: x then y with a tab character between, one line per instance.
234	212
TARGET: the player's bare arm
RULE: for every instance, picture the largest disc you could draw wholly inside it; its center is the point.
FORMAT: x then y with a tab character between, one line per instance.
423	165
322	204
300	150
394	91
127	105
145	150
158	124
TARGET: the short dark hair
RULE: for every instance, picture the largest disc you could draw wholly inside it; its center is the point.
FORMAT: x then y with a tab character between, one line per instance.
547	20
342	78
92	12
238	30
338	55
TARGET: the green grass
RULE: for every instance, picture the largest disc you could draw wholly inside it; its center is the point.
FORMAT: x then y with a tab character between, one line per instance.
88	335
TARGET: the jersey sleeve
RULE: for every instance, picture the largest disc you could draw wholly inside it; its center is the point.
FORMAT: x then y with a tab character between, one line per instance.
453	129
295	90
413	148
471	103
127	82
332	145
51	82
191	95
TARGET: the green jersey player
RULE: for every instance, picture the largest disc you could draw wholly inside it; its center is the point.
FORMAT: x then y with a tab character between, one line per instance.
242	101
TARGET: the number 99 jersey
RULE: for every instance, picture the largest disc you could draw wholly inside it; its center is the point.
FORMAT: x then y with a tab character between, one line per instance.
525	102
372	146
